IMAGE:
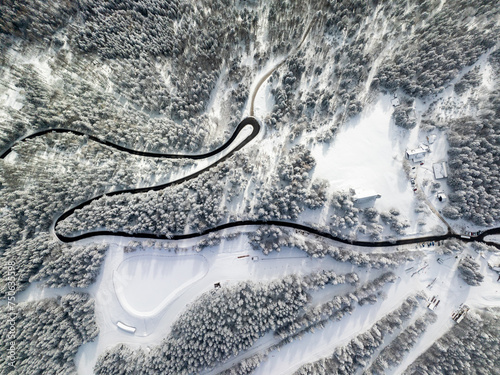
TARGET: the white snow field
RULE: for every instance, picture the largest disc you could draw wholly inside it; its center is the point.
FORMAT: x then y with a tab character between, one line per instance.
148	290
11	97
158	289
145	284
367	155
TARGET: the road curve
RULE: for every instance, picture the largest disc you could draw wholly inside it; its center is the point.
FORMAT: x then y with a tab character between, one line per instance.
247	121
136	152
281	224
256	128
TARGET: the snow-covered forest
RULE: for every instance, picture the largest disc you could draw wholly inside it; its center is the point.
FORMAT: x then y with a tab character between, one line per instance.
376	133
47	334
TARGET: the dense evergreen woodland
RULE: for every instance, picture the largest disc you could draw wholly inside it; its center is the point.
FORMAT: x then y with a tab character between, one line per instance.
474	160
222	324
175	76
358	352
47	334
50	174
468	348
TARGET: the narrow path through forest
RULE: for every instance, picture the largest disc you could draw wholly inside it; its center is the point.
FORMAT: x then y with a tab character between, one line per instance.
277	66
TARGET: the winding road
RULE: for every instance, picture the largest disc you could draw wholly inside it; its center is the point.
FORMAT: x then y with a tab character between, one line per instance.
278	223
136	152
252	121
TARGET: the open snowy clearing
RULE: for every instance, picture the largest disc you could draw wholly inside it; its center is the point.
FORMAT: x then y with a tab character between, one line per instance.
157	285
367	155
264	100
137	281
229	262
11	97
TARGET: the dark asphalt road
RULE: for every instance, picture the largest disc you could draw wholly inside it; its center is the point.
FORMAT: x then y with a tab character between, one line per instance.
128	150
282	224
256	128
247	121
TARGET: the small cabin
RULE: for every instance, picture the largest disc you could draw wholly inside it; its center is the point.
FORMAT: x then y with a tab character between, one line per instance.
459	314
125	327
433	303
440	170
441	196
363	197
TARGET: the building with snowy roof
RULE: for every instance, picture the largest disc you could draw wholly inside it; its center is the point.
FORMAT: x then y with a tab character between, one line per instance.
126	327
362	197
417	154
441	196
440	170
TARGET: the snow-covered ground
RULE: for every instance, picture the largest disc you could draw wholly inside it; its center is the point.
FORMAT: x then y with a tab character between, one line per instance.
264	100
158	279
367	155
146	283
446	107
494	238
11	97
149	289
448	287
